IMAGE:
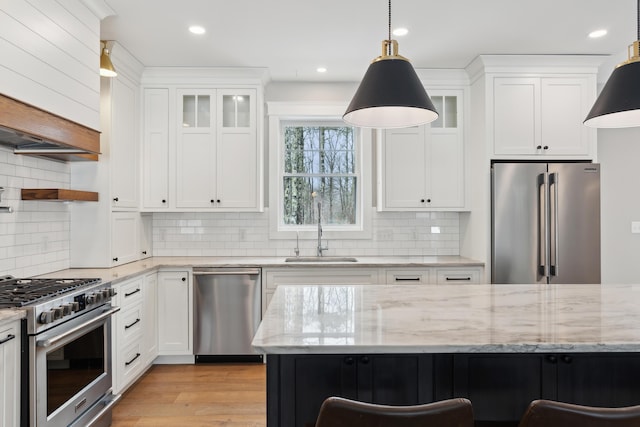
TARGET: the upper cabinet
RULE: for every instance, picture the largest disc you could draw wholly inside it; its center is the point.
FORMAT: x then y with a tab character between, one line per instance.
201	147
534	106
422	168
541	116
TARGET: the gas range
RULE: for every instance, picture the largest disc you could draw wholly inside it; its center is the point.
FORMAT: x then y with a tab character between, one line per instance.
50	302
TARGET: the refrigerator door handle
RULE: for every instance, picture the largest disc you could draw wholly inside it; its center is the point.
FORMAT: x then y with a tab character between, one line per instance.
542	224
553	181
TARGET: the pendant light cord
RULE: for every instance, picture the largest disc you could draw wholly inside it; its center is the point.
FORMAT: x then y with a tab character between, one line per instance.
389	45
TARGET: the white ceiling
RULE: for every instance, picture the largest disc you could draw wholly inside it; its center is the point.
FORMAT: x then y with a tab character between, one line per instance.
294	37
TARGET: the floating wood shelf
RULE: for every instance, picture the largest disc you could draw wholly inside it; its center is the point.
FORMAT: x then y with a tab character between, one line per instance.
58	194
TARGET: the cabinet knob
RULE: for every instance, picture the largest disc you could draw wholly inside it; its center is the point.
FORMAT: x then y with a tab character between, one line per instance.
164	201
567	359
184	279
218	201
364	360
546	147
212	201
115	199
539	147
552	359
115	259
428	200
349	360
421	200
144	252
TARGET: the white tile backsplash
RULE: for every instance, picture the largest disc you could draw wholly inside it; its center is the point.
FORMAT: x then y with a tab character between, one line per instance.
246	234
34	239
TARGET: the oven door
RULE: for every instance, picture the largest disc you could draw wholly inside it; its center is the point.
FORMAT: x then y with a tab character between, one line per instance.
71	369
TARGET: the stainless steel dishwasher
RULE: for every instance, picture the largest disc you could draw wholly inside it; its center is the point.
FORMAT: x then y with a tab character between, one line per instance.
227	314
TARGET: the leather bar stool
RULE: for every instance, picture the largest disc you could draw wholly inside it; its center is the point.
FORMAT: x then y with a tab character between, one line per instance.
548	413
339	412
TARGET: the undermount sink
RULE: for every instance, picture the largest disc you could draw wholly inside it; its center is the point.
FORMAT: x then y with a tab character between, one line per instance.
320	259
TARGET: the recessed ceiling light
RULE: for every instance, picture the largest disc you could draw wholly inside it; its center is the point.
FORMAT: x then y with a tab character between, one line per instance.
321	69
197	29
400	32
597	33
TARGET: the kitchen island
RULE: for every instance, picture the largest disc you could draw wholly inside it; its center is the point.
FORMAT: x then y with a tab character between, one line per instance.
499	345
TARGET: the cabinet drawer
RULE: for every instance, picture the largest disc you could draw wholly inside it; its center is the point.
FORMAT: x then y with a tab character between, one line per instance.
320	276
408	276
130	293
130	324
130	364
459	276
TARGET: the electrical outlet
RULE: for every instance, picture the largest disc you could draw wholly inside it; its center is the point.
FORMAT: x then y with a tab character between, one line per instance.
635	227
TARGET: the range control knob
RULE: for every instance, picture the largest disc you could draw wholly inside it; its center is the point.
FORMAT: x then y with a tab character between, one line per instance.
90	299
106	294
46	317
75	306
67	309
112	292
57	313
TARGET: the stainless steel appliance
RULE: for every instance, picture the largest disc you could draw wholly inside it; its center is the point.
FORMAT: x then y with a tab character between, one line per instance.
545	223
227	313
66	375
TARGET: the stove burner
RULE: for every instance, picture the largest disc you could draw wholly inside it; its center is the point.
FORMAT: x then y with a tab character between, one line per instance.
21	292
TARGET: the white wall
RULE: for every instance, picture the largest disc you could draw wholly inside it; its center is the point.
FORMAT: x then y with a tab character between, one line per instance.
34	239
619	156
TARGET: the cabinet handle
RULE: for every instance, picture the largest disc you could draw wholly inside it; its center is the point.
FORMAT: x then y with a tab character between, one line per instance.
567	359
364	360
462	279
131	293
184	279
349	360
115	199
115	259
552	359
132	360
407	279
7	339
131	325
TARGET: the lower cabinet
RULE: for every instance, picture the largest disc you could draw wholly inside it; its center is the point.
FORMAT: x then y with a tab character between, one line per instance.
306	380
134	333
175	313
500	386
10	374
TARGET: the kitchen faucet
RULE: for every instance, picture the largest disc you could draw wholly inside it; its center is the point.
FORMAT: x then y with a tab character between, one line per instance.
320	248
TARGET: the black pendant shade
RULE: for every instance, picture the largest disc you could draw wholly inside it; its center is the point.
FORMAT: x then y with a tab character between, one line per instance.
618	105
390	96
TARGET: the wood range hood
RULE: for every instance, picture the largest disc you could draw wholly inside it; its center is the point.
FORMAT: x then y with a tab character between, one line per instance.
35	132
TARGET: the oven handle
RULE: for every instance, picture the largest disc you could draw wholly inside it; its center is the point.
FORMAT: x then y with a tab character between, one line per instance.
103	411
52	341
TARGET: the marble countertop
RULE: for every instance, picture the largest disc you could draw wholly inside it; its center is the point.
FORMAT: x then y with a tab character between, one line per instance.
451	319
11	314
126	271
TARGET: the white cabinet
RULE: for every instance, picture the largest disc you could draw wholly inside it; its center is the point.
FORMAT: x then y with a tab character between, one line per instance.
542	116
202	149
408	276
155	149
145	249
10	374
422	168
433	275
175	313
150	306
134	332
124	237
458	275
272	277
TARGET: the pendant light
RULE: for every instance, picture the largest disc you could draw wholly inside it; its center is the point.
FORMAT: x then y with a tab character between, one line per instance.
390	94
618	105
106	67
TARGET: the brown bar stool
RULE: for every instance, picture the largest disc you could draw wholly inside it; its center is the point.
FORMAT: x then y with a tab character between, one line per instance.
339	412
548	413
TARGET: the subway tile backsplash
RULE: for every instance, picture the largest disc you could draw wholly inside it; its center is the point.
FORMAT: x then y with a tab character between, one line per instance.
34	239
247	234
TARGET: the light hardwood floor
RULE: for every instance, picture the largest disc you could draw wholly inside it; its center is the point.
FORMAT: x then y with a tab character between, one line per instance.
196	396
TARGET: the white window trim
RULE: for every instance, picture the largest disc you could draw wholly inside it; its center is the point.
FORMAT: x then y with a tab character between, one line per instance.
285	112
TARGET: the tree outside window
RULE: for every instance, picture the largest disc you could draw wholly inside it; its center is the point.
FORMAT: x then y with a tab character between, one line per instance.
320	167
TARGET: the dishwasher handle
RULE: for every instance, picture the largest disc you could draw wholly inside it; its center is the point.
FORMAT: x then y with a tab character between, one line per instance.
250	272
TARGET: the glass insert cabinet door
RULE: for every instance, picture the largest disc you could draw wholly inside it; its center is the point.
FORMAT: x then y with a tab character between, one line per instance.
447	107
196	111
237	107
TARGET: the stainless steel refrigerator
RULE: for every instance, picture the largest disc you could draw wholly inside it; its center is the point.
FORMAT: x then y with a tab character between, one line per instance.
545	223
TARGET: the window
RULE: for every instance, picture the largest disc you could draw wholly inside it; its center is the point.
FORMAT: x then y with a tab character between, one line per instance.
314	158
320	174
